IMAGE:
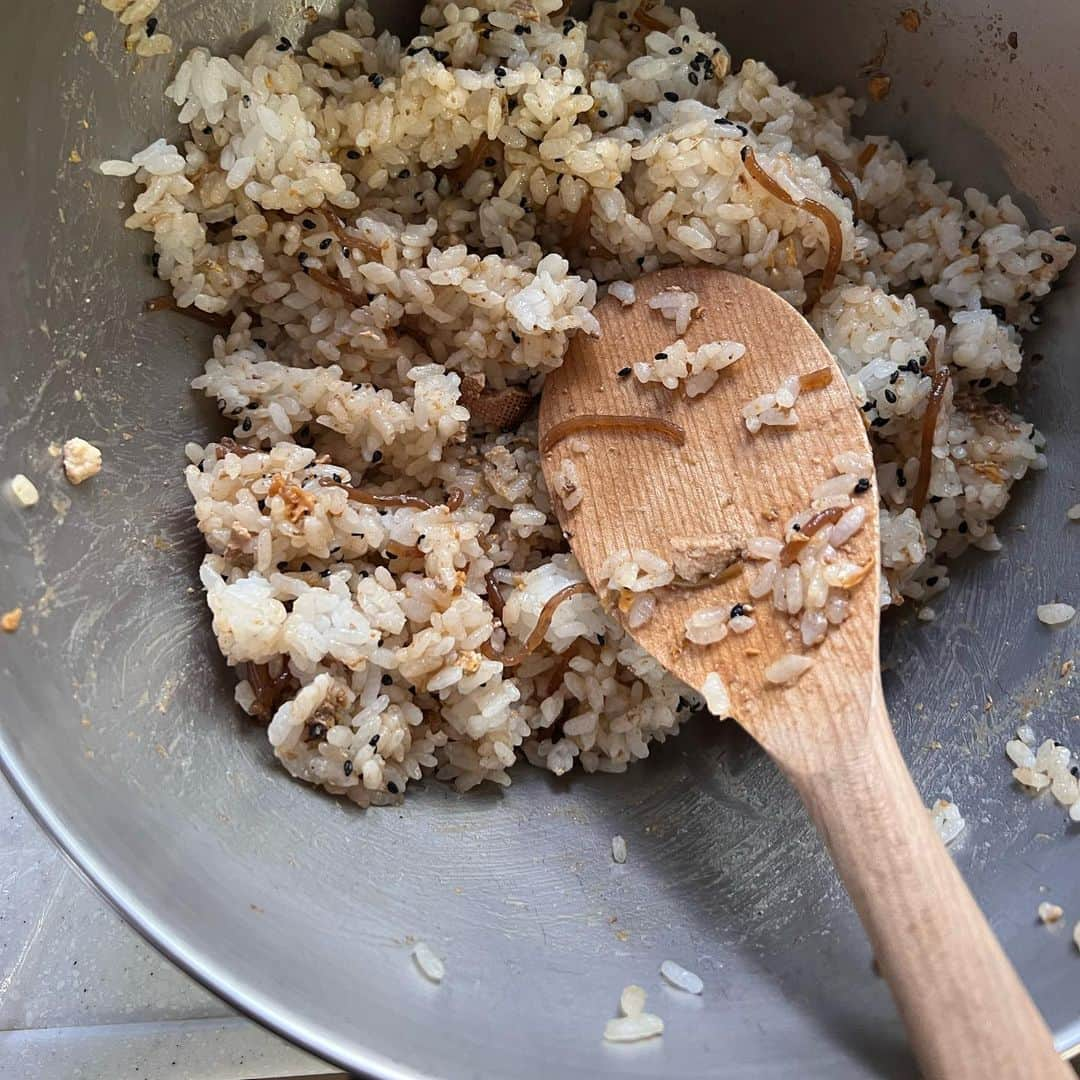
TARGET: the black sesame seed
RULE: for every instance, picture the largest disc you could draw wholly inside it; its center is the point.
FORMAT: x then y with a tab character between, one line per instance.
901	479
347	252
894	377
387	679
245	99
602	114
404	174
890	397
282	46
246	425
308	223
376	79
671	95
869	406
962	527
624	372
660	356
352	155
315	731
519	29
514	336
500	71
567	26
489	163
675	51
879	421
347	768
578	90
374	740
737	610
796	527
324	245
862	485
239	236
693	79
391	787
562	60
376	457
1047	257
686	39
151	26
1062	238
932	580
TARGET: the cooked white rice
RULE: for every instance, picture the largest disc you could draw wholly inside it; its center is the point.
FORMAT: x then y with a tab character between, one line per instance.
635	1024
23	490
680	978
398	242
1052	767
696	370
143	37
947	820
1050	913
429	964
82	460
1055	614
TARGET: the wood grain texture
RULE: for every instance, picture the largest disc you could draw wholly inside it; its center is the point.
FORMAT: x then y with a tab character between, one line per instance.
966	1011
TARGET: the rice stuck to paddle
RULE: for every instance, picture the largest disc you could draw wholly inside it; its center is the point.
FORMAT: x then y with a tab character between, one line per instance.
395	242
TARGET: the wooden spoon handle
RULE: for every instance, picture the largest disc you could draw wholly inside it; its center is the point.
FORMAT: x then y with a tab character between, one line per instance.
967	1013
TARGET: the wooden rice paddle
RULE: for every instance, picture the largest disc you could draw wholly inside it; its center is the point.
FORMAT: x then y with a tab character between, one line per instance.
966	1011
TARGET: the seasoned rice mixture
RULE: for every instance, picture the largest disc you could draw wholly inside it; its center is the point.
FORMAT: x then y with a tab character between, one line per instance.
397	240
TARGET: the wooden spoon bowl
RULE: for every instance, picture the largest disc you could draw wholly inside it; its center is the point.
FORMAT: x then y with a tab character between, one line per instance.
966	1011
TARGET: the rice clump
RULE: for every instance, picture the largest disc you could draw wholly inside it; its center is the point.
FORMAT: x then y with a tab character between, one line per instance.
394	242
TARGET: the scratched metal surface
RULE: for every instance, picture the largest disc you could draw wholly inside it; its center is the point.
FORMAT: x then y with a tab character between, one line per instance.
118	729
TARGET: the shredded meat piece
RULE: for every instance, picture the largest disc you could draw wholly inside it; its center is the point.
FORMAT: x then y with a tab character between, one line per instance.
334	284
500	409
340	229
642	17
298	502
269	690
454	498
413	502
817	379
811	206
509	658
866	156
168	303
929	429
843	182
494	596
813	525
654	425
701	560
231	446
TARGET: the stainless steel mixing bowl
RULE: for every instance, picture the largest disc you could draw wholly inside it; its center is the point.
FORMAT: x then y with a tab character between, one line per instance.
118	727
